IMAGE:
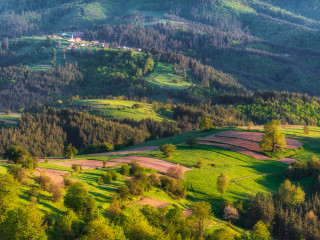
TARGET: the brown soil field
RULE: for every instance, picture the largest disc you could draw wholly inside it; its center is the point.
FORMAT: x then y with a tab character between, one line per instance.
253	146
257	137
125	152
153	202
86	164
287	160
56	175
156	164
237	149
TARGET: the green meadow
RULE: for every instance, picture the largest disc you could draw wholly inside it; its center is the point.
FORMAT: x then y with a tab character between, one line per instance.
248	175
164	75
119	109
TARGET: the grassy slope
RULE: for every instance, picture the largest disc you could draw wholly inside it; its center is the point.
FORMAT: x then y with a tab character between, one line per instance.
248	175
164	76
108	109
201	183
11	117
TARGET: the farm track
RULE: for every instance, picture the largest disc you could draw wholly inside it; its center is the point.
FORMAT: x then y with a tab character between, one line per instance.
125	152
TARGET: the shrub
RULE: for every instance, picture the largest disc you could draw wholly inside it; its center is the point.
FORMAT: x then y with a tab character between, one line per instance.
66	180
137	106
173	187
75	167
125	170
105	147
200	163
136	188
192	142
118	146
108	177
16	154
70	225
114	210
18	173
176	171
80	201
298	170
56	191
306	130
154	180
136	168
168	149
30	163
113	174
123	192
230	213
104	162
70	151
34	192
206	124
314	164
90	149
45	181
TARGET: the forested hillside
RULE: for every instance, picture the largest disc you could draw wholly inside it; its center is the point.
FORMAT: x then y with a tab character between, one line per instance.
263	44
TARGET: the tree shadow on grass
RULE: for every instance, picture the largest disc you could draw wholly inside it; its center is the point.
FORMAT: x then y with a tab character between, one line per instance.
52	208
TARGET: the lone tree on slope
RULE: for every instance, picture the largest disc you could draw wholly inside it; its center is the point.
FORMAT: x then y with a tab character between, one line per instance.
223	182
273	137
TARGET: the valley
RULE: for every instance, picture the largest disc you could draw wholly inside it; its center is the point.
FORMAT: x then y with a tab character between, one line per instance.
169	120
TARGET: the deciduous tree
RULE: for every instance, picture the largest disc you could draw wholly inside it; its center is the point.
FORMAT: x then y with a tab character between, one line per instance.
223	182
23	223
201	213
168	149
273	137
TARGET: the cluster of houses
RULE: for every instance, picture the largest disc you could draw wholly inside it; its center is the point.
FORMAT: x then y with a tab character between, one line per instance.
75	40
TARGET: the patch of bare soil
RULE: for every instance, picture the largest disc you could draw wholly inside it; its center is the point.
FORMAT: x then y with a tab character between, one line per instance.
125	152
237	149
256	137
86	164
288	160
153	202
56	175
156	164
253	146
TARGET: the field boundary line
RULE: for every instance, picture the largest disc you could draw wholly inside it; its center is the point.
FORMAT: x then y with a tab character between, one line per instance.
249	189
